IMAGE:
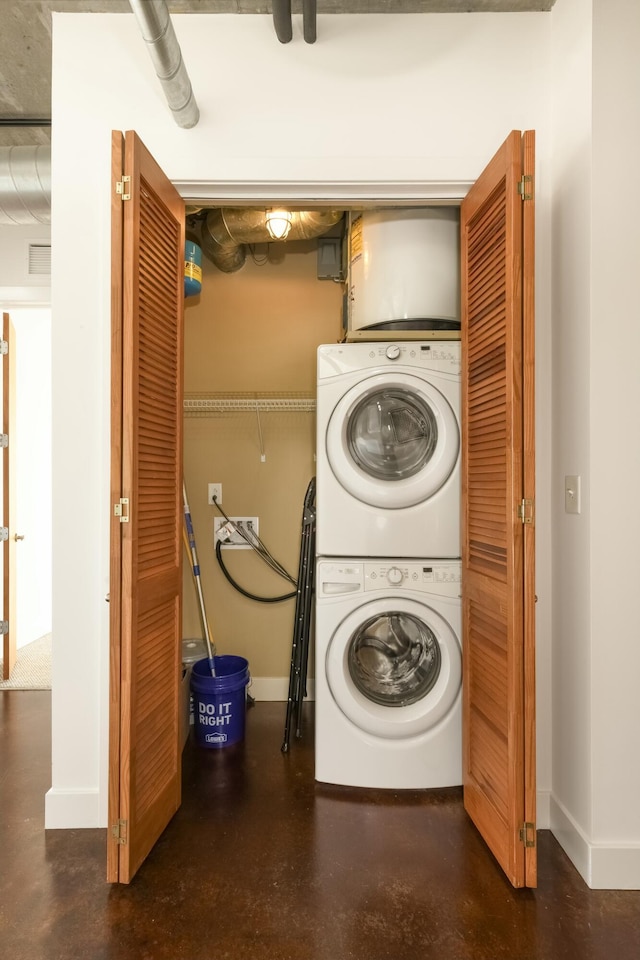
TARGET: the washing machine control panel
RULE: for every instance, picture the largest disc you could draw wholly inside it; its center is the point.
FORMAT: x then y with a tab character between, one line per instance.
421	576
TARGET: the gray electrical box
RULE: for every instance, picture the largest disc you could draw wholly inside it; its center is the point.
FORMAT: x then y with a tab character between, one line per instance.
329	258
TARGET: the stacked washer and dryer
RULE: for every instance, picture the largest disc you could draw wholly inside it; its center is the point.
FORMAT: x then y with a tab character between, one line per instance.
388	608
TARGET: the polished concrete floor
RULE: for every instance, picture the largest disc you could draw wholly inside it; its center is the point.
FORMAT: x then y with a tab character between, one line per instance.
260	863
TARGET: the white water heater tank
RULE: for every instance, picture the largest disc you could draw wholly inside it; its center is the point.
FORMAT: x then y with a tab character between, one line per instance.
404	269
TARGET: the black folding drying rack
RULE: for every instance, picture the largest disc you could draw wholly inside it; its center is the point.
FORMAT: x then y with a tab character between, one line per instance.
302	621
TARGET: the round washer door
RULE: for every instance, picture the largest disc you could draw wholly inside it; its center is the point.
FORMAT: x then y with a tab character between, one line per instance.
392	441
394	668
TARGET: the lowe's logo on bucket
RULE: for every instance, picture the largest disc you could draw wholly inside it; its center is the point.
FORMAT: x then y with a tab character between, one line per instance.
215	738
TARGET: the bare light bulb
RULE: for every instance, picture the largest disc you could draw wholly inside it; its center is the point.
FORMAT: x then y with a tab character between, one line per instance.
278	223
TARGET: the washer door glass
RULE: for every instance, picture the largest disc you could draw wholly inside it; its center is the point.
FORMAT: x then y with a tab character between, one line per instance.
392	434
394	659
394	666
393	441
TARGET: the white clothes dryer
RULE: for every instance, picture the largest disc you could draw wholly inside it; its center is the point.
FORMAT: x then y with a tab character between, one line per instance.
388	673
388	449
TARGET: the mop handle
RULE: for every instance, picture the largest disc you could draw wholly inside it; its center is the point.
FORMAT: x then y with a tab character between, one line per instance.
196	575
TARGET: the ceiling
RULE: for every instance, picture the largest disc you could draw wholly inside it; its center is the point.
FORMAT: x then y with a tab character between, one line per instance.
25	42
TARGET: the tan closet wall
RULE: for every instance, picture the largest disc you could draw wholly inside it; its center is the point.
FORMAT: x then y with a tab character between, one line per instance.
256	330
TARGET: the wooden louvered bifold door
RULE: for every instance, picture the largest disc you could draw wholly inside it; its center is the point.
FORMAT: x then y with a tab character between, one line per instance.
150	545
497	413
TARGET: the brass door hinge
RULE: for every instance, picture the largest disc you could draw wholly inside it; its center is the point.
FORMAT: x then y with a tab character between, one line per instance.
119	831
123	188
121	510
527	834
525	511
525	182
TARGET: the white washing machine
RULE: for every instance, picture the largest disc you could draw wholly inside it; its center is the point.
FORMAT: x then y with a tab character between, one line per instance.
388	673
388	449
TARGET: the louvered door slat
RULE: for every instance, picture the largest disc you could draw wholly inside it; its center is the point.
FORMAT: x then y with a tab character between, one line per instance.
493	339
487	267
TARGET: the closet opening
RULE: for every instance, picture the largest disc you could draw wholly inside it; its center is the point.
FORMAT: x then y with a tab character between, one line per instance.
251	335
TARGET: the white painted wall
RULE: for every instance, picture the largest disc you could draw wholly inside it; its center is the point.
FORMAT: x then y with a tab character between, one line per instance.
398	102
571	218
596	251
615	451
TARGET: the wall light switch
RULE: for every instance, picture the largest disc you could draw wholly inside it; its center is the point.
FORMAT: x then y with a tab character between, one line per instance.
572	494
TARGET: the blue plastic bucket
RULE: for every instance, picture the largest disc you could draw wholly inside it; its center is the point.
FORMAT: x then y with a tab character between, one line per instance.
219	703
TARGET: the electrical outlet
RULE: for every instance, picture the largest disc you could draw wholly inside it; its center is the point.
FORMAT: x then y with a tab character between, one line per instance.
214	490
234	540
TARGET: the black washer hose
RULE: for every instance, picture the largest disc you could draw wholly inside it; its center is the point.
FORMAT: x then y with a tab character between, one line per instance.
245	593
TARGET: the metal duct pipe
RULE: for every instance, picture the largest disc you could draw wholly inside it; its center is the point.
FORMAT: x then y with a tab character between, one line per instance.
25	185
282	20
158	33
25	121
309	8
226	231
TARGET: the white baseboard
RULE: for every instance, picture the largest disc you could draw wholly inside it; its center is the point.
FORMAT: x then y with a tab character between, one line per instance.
276	688
603	866
71	809
543	805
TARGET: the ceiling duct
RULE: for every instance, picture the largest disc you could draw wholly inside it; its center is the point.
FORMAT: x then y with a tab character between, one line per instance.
157	31
225	232
25	185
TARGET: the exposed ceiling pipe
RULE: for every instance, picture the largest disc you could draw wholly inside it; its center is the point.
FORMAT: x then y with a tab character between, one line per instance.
309	8
282	20
25	185
158	33
225	232
25	121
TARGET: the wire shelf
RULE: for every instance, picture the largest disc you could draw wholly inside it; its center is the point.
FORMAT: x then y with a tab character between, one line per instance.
210	404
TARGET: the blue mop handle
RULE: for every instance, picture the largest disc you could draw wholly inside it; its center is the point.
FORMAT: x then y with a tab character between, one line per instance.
192	541
196	574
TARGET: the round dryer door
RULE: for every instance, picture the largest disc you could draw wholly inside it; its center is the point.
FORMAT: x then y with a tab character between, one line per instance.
394	668
393	441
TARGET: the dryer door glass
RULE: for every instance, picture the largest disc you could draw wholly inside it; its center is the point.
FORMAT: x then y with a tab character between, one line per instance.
392	434
394	659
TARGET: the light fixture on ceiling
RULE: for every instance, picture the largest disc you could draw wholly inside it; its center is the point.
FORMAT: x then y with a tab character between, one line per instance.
278	223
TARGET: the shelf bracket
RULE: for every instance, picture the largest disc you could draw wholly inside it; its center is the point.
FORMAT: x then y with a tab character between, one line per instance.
263	456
